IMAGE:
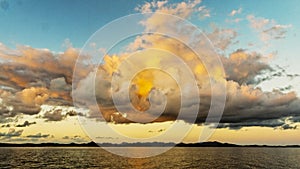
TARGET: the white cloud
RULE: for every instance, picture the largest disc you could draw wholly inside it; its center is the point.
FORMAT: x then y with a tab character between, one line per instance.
268	29
235	12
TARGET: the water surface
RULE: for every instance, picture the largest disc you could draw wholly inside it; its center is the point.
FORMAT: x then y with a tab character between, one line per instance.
179	157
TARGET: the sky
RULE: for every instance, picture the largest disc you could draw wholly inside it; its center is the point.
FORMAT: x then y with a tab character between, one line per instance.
252	50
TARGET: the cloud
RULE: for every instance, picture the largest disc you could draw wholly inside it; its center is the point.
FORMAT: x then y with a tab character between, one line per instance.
107	138
66	137
262	123
59	84
280	123
25	124
258	23
182	9
288	126
75	138
267	29
33	96
11	133
235	20
31	78
27	101
38	135
58	113
27	67
158	131
222	38
33	66
246	104
5	125
55	115
244	67
13	105
276	32
235	12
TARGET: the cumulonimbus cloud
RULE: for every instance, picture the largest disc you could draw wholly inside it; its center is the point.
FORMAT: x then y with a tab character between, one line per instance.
33	77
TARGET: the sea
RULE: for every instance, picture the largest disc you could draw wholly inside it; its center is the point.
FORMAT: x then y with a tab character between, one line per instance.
178	157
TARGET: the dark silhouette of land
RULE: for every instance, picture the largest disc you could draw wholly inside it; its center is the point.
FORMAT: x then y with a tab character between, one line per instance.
90	144
218	144
138	144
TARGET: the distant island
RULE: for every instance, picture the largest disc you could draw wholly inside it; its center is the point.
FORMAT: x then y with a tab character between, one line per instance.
147	144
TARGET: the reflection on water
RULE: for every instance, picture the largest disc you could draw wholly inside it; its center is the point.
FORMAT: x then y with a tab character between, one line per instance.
178	157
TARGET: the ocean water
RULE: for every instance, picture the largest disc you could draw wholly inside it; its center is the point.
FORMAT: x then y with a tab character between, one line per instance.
179	157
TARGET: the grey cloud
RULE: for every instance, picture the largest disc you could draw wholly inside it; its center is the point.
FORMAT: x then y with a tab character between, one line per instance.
13	105
38	135
11	133
59	84
295	119
5	125
55	115
75	138
66	137
37	65
244	67
262	123
288	126
158	131
268	29
25	124
24	102
106	138
47	76
222	38
277	31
